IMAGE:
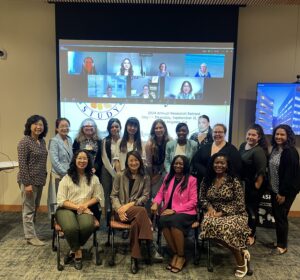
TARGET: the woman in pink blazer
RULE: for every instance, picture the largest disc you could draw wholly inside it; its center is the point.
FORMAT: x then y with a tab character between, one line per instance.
178	198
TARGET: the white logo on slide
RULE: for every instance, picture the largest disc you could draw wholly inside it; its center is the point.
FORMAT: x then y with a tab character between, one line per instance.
100	111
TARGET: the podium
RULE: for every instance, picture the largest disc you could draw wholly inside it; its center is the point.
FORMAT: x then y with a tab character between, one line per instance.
6	165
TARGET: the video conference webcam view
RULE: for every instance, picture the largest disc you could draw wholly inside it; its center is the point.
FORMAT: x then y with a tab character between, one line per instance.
278	103
174	81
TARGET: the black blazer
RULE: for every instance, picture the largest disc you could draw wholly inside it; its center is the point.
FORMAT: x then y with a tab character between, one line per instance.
289	172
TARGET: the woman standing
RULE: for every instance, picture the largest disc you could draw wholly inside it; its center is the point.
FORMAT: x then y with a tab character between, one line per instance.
181	146
110	147
61	153
88	139
285	181
254	158
202	157
155	154
222	196
129	195
32	156
78	191
179	196
131	140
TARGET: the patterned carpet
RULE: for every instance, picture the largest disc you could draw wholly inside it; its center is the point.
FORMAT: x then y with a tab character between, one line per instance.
22	261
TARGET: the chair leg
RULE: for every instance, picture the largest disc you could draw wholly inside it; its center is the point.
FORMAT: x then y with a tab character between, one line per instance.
107	244
96	246
112	261
54	246
59	265
158	242
196	247
209	264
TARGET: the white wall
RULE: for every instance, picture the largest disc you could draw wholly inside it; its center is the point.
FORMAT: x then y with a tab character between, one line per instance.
268	51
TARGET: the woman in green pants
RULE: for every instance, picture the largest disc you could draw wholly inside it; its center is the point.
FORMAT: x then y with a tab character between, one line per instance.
78	191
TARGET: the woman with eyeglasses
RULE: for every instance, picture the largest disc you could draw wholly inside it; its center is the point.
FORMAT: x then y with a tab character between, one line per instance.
88	139
201	158
61	153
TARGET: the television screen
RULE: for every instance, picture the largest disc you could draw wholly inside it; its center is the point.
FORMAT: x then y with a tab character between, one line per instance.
278	103
176	82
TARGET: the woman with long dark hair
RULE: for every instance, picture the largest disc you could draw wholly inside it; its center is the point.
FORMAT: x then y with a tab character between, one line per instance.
130	192
179	196
131	140
284	177
226	219
110	151
254	163
126	68
155	149
32	156
78	192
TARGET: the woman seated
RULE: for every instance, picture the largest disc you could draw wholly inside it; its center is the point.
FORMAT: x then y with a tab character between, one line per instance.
179	196
226	219
130	192
78	191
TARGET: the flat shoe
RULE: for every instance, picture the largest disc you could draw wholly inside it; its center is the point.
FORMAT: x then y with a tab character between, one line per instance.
278	252
69	258
78	263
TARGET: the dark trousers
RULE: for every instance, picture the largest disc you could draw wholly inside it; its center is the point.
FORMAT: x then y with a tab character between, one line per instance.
141	228
280	212
252	200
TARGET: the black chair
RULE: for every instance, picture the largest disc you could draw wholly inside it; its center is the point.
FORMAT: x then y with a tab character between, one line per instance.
57	235
195	227
114	225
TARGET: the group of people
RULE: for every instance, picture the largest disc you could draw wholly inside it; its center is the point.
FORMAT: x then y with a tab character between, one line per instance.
171	178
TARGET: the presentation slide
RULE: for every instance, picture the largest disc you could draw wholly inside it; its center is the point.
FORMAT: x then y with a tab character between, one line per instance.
174	81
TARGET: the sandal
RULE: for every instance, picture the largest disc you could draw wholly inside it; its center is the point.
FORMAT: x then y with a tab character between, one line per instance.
278	251
242	273
172	263
176	268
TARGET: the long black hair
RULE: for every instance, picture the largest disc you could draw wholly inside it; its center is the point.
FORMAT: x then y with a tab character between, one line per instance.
211	174
34	119
262	142
141	170
291	138
72	171
137	136
108	137
186	172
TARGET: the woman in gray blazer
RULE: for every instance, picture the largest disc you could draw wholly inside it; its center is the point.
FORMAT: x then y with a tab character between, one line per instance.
61	153
181	146
130	192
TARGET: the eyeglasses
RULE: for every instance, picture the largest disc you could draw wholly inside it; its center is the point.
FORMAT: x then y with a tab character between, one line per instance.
218	132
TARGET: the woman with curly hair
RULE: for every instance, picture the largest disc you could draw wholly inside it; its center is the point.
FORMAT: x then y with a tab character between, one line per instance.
32	156
78	191
226	219
284	179
254	163
155	154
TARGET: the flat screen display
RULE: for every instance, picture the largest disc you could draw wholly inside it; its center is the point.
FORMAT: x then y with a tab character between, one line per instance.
278	103
176	82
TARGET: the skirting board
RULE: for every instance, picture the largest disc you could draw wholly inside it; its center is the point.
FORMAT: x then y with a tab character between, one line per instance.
44	209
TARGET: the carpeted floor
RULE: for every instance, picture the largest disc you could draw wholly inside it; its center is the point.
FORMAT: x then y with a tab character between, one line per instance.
21	261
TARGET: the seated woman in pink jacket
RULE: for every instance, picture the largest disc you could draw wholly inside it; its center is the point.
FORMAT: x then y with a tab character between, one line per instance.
178	196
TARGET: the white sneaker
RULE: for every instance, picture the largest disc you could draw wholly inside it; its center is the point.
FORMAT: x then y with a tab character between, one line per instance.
35	242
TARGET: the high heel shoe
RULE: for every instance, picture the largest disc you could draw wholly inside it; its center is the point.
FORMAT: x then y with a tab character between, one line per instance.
134	266
242	270
178	267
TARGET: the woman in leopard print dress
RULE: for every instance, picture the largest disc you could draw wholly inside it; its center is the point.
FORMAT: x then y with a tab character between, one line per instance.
226	219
